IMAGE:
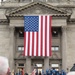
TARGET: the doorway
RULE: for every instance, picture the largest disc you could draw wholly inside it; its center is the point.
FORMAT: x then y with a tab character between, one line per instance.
38	64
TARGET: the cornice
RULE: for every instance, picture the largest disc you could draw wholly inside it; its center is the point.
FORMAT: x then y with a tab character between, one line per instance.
37	3
4	21
53	15
71	21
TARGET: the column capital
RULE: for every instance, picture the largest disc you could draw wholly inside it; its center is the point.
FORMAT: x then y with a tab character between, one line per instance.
11	27
64	28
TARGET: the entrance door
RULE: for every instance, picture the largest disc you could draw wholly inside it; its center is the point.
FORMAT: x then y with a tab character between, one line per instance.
20	71
20	68
40	66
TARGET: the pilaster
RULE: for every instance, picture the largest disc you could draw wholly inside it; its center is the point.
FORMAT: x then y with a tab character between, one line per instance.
12	48
28	64
46	63
64	48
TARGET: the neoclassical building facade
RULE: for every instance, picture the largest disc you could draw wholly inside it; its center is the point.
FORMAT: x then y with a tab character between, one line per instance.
63	33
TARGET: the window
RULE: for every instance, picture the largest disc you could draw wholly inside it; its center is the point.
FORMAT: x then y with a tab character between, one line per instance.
20	48
55	48
56	66
39	65
55	33
21	64
21	33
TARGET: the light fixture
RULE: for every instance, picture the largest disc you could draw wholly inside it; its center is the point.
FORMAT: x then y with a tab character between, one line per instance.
20	32
54	32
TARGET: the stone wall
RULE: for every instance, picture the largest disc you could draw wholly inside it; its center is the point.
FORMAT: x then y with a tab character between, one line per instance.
4	41
6	44
70	46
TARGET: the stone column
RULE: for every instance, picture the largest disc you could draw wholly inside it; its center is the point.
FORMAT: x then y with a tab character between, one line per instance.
64	48
28	64
11	48
46	63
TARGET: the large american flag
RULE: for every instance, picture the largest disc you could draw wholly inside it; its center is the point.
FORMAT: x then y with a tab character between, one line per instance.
37	35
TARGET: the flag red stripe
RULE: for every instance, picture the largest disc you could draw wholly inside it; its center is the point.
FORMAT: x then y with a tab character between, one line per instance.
41	34
45	35
28	42
36	43
32	43
24	44
50	36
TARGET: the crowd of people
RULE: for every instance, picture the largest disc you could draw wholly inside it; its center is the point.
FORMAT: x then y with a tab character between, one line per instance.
49	72
52	71
4	70
55	72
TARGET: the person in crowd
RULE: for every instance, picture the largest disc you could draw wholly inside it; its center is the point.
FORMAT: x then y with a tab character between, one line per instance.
26	73
4	66
47	72
18	72
60	73
43	72
57	72
53	71
63	72
50	72
40	73
12	73
35	67
34	72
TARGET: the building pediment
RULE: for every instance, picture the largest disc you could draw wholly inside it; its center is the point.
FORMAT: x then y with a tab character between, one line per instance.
36	8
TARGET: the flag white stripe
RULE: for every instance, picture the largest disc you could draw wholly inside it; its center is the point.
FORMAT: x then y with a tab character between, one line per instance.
39	38
30	44
26	44
35	43
47	35
43	35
